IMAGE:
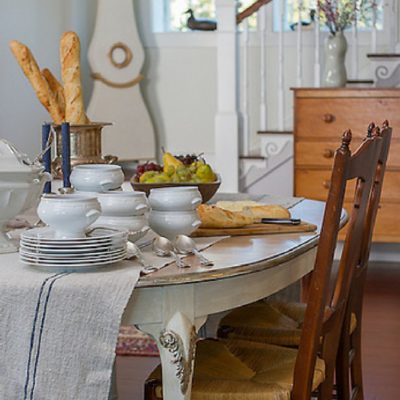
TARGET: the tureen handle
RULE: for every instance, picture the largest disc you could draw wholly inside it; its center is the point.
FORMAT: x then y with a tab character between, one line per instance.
92	215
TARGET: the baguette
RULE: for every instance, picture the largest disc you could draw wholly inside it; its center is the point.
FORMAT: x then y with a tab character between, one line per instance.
71	76
254	209
266	211
236	205
31	70
215	217
55	87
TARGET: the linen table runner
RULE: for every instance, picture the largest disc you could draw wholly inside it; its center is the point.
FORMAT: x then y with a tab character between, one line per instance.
58	331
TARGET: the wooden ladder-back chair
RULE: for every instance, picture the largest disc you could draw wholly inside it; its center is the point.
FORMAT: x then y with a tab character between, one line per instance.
245	370
349	355
280	323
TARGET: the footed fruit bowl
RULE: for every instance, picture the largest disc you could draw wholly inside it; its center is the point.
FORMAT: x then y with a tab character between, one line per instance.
207	190
190	170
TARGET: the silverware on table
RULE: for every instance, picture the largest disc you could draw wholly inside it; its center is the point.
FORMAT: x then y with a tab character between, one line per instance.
186	245
163	247
134	252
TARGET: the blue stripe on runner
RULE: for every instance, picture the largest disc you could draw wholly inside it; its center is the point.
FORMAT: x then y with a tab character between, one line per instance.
42	322
33	332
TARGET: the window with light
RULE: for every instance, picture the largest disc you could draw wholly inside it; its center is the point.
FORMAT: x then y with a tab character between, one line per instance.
176	16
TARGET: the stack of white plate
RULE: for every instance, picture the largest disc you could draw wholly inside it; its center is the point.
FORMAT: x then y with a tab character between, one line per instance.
39	247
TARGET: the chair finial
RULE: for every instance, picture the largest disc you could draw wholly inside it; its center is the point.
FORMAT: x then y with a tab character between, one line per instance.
371	127
376	131
346	139
385	124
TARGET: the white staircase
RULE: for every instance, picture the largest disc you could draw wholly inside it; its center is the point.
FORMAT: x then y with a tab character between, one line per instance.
269	166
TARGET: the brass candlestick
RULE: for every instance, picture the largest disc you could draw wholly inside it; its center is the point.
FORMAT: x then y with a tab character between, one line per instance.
85	146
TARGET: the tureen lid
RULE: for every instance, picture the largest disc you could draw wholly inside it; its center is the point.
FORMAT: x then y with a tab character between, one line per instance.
12	160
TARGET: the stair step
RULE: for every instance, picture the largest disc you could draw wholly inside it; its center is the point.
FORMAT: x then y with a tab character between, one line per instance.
360	81
383	55
255	157
270	132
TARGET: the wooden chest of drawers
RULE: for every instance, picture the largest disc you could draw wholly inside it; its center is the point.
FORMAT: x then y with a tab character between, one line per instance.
320	117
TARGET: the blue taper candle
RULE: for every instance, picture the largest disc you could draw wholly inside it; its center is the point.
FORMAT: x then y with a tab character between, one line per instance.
46	156
66	154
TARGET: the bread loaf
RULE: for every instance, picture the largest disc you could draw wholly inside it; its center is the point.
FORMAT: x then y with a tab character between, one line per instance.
55	87
266	211
215	217
71	76
31	69
236	205
254	209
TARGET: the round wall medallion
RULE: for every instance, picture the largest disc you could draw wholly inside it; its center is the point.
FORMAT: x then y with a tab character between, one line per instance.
120	55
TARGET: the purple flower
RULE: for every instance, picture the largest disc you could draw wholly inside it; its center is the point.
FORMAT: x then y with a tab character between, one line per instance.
340	14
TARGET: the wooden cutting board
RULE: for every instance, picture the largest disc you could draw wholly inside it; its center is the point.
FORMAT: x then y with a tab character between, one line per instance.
255	229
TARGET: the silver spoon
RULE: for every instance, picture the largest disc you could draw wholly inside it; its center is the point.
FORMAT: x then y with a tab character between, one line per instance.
134	251
163	247
185	245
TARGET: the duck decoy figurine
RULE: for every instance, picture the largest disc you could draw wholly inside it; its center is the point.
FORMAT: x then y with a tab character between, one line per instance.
199	24
306	24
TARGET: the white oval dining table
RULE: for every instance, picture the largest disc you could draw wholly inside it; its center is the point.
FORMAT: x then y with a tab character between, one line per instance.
172	304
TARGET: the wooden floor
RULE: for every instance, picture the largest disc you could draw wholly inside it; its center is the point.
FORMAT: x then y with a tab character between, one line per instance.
381	342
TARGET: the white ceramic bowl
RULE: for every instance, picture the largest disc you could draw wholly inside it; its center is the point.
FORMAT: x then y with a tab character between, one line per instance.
97	177
69	215
123	204
178	198
172	223
132	223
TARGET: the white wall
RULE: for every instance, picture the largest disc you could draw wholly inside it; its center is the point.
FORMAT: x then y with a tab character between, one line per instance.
180	86
38	24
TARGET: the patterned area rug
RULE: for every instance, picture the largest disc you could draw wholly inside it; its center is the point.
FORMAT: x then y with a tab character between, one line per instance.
132	342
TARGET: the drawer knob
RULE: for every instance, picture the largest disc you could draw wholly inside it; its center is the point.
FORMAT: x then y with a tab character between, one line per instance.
328	118
328	153
326	184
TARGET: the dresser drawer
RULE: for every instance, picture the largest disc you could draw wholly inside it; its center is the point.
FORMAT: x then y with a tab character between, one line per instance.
387	227
314	184
329	117
321	153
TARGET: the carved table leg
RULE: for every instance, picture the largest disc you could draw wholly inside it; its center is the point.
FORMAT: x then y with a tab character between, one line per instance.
176	340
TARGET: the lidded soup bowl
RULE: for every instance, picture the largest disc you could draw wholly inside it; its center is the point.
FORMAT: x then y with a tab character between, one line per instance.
171	224
136	225
177	198
97	177
123	204
69	215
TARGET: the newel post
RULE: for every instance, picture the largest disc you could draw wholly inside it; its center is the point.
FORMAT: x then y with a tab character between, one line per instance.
226	119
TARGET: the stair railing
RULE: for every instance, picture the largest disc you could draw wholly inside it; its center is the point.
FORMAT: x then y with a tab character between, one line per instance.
232	122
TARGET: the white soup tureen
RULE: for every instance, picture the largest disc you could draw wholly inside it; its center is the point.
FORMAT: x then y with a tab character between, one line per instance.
21	184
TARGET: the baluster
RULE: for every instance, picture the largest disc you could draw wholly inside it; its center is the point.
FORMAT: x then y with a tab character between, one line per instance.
354	45
299	46
262	15
317	64
226	120
374	30
393	12
245	104
281	83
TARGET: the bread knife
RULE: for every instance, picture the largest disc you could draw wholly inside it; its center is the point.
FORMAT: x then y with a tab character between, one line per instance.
286	221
